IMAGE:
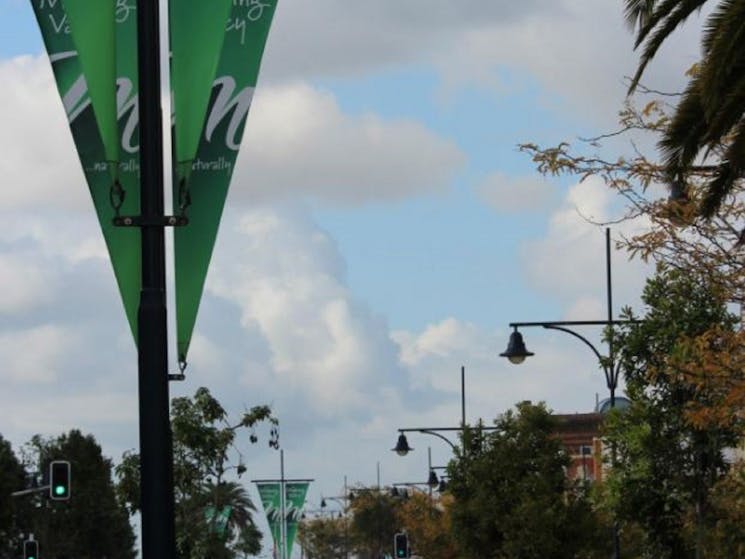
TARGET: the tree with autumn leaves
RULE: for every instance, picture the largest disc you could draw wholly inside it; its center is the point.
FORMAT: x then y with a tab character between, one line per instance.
684	365
367	528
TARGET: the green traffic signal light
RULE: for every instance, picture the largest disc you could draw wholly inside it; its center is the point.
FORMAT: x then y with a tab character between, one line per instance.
30	549
59	480
401	545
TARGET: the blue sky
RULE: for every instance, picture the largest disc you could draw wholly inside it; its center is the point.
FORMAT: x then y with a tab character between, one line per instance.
381	231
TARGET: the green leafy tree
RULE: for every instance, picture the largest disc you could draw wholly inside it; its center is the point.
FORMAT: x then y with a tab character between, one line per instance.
708	120
92	524
213	514
666	465
325	537
512	499
726	536
374	522
15	512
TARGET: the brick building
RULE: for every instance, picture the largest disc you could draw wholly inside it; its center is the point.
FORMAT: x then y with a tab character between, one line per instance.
580	433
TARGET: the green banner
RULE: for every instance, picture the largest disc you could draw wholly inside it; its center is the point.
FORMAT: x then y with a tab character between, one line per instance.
217	520
294	501
70	48
271	496
197	32
93	29
203	195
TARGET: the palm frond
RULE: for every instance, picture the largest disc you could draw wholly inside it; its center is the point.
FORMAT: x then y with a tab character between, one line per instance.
724	56
638	12
667	16
685	134
723	116
730	170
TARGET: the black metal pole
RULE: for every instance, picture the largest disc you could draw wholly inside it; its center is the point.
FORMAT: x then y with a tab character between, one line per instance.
156	455
611	361
462	396
612	380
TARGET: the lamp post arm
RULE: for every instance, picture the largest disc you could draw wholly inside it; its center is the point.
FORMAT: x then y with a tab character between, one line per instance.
578	336
610	372
436	434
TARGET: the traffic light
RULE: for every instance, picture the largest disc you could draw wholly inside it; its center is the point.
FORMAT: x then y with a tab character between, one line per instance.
59	480
400	545
30	549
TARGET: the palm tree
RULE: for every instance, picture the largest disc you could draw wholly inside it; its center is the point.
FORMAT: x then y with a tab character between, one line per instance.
233	495
232	500
710	117
217	521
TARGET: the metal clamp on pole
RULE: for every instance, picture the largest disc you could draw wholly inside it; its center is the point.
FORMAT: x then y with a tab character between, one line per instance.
141	221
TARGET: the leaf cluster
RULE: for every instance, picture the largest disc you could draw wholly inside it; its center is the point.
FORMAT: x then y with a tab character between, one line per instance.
666	461
511	495
204	447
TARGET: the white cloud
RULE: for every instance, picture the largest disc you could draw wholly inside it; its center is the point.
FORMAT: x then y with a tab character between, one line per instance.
299	142
578	50
324	347
519	194
569	263
35	355
39	166
24	283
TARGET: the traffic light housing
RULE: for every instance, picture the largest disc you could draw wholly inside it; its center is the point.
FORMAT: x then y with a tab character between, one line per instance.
30	549
400	545
59	480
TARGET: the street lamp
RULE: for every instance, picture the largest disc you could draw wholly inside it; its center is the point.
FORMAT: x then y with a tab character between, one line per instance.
516	352
434	481
402	447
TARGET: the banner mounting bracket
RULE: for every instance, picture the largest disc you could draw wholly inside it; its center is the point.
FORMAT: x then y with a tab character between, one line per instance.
140	221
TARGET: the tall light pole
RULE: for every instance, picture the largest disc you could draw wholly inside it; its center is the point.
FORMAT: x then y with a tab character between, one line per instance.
402	447
517	352
156	454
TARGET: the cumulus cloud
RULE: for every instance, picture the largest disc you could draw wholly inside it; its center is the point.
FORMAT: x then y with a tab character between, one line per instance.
520	194
34	355
287	278
300	142
578	50
39	165
569	262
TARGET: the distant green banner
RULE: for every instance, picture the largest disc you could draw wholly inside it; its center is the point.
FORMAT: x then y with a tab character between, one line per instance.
271	495
202	195
217	520
295	492
85	58
271	500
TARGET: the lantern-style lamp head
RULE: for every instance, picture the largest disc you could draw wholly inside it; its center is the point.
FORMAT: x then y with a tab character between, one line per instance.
516	351
402	447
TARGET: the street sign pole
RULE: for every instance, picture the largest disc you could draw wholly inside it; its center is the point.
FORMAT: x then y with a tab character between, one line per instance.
156	455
